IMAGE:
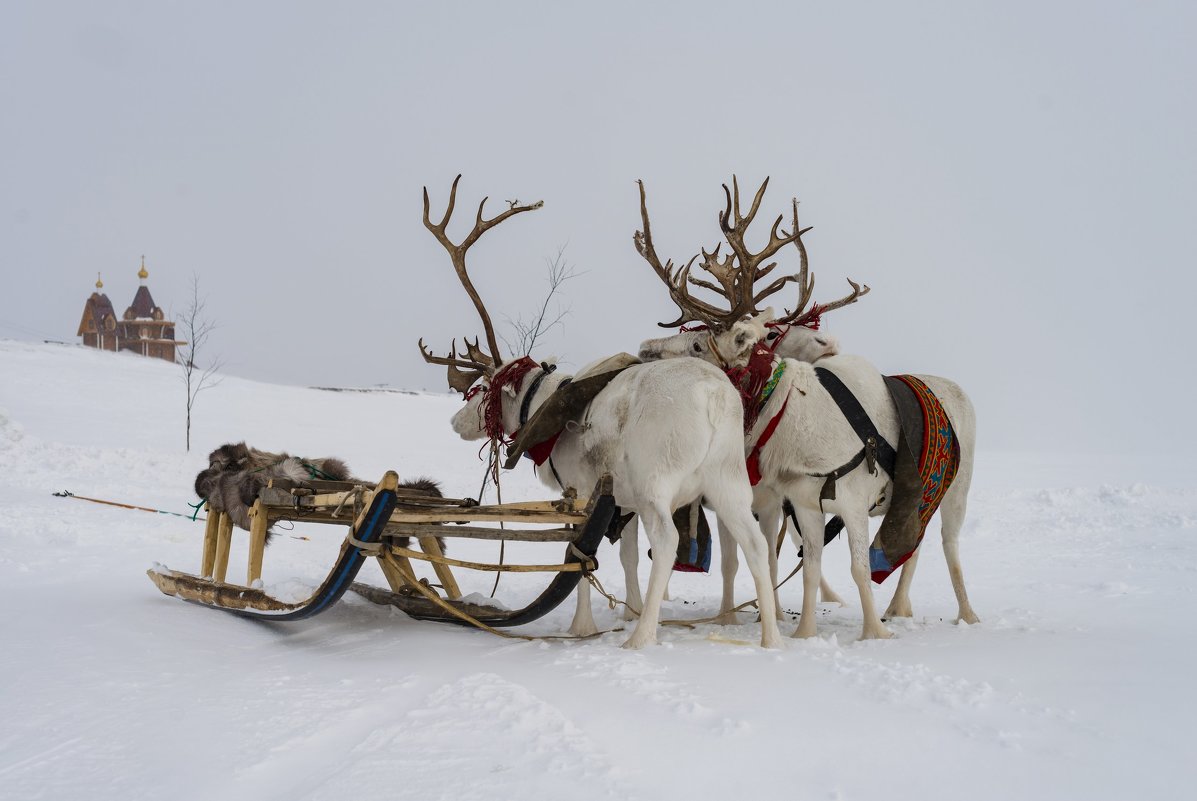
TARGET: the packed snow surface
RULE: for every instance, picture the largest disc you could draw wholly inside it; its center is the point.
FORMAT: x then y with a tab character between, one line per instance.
1077	684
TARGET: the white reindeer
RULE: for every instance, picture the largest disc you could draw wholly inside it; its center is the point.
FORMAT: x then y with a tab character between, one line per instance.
802	343
667	432
812	437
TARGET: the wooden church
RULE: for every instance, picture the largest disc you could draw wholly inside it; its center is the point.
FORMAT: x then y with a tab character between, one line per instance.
142	329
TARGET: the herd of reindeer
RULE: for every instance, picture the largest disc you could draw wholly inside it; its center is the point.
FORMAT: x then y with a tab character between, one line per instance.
671	430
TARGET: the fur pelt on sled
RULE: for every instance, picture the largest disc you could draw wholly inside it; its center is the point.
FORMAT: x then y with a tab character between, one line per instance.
236	473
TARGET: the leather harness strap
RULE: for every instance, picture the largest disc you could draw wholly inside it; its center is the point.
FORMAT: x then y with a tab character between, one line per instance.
526	405
877	452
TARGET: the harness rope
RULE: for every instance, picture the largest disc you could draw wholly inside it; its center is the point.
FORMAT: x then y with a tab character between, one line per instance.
69	494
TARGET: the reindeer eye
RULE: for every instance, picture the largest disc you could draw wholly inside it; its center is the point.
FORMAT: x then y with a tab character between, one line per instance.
697	348
771	335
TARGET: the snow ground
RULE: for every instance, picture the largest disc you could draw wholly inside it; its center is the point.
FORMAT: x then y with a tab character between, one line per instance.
1078	683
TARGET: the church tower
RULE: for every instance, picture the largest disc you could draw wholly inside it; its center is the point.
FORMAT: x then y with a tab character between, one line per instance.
98	326
143	329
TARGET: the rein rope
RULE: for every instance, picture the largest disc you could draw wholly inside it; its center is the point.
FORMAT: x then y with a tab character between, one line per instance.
511	374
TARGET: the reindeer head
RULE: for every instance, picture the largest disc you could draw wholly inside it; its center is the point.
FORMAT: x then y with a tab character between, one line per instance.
801	343
721	339
731	347
491	409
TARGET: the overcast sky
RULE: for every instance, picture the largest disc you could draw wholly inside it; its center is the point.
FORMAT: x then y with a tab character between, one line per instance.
1016	181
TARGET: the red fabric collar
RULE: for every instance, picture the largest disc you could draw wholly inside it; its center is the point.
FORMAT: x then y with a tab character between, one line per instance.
754	458
511	374
540	452
750	380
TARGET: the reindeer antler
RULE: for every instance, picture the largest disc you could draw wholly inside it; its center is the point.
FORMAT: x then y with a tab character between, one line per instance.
460	380
692	309
737	274
478	361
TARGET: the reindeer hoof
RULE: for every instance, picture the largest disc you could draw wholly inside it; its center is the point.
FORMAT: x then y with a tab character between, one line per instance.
968	616
635	643
726	619
898	610
803	632
878	633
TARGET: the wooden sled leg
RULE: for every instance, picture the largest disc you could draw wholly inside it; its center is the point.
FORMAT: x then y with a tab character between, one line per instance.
210	529
430	546
258	523
224	540
393	576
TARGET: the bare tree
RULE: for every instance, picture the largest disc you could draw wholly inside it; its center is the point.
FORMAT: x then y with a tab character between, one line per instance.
526	333
196	328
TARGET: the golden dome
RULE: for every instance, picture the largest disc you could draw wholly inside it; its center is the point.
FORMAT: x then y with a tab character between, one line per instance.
142	274
99	283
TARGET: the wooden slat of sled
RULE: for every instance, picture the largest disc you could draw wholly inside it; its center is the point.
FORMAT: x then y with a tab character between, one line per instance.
477	533
488	514
405	555
574	506
473	514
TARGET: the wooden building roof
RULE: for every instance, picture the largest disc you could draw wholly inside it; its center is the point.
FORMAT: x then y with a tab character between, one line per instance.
97	308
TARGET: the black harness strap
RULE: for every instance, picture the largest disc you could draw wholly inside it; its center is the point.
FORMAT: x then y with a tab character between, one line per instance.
877	451
536	382
552	466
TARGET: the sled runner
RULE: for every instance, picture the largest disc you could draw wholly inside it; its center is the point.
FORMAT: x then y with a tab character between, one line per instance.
382	520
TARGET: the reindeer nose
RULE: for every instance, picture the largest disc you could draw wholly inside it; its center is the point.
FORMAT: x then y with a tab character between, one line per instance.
649	355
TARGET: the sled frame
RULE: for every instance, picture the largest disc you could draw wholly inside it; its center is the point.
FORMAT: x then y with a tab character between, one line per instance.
379	517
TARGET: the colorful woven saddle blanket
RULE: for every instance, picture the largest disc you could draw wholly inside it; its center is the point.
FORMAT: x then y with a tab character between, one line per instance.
928	457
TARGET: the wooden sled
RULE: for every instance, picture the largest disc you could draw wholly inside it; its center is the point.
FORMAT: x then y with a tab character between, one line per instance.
379	518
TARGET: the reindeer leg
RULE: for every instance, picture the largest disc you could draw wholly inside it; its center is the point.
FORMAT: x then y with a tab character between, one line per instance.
729	564
733	505
857	522
773	525
899	605
811	525
663	537
952	519
826	594
583	624
629	557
